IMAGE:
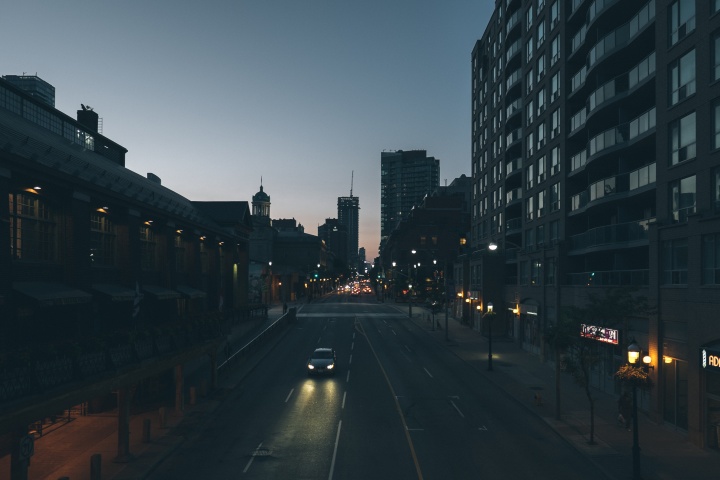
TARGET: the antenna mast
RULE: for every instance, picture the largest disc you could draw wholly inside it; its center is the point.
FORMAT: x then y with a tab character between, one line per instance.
352	177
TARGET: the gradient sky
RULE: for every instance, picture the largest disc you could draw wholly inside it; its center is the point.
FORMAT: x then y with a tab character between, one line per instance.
213	95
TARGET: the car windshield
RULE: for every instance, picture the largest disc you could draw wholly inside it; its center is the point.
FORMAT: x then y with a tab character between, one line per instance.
323	354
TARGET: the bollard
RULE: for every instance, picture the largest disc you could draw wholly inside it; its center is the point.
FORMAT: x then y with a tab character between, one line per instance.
146	431
95	467
193	396
161	413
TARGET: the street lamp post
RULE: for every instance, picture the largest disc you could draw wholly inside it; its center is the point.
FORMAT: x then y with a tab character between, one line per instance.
633	352
413	251
489	314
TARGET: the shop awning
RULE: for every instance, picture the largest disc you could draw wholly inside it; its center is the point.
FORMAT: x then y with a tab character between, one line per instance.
190	292
116	293
52	294
160	293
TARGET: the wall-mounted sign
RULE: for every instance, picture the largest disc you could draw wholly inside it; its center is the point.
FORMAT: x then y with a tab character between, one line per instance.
601	334
710	359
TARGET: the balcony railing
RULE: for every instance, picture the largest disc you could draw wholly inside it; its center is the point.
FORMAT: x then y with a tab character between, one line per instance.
612	185
610	278
610	234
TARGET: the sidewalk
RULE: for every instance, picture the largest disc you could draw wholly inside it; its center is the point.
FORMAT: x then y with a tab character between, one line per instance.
66	451
664	452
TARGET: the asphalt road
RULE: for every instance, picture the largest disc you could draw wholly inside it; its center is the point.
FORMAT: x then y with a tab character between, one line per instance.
400	406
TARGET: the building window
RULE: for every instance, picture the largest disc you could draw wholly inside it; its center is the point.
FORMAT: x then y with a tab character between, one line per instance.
148	249
529	83
716	125
529	113
529	178
530	144
529	49
554	231
555	87
529	18
681	16
541	203
541	101
683	197
541	169
555	123
555	197
716	189
536	272
540	66
555	160
682	139
711	259
102	240
529	208
524	272
530	238
682	78
540	235
715	6
179	254
33	229
716	57
554	14
674	262
540	135
555	50
550	271
540	33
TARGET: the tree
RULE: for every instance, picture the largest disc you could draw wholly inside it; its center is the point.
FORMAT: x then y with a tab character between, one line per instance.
581	353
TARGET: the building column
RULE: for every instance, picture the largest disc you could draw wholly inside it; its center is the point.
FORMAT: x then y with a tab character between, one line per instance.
18	463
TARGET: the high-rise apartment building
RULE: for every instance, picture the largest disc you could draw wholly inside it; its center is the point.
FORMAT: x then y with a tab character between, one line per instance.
405	178
596	165
348	216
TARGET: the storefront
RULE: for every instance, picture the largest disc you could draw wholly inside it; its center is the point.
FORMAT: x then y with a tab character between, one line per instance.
710	364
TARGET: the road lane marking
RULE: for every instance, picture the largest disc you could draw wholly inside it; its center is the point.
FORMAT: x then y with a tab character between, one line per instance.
429	374
347	379
483	428
288	397
252	458
407	348
337	440
393	331
352	346
350	359
456	408
343	403
408	438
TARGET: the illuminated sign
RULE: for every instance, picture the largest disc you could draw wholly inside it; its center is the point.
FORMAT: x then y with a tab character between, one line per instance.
601	334
710	359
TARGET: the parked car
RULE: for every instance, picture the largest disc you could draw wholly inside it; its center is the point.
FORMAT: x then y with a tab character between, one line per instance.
322	361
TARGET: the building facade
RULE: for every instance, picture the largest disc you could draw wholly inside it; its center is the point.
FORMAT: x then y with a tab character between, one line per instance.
405	178
595	135
109	281
349	217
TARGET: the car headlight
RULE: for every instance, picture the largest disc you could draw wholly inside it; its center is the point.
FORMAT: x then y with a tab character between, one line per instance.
311	367
330	367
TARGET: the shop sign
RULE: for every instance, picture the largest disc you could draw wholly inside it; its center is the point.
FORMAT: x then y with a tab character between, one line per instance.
710	359
601	334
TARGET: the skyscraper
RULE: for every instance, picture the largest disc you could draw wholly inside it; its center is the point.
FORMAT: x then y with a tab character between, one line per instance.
348	216
596	167
405	178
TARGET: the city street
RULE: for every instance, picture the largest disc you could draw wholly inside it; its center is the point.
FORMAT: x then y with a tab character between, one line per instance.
399	406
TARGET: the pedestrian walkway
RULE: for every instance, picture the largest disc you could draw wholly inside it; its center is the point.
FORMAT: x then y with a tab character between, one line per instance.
665	453
67	451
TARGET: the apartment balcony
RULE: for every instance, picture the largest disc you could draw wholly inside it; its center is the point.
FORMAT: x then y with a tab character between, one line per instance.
619	184
513	137
613	236
604	278
514	225
512	196
514	107
512	167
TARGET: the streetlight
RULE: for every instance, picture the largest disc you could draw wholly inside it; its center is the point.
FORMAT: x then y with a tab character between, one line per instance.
633	352
413	251
489	315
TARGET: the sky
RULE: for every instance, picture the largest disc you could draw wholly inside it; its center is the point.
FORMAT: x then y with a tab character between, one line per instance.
216	96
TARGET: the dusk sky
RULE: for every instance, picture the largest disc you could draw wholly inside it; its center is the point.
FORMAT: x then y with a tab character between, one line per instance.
213	96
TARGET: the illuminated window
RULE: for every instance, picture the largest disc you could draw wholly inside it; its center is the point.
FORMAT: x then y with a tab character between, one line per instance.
148	249
33	230
102	240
